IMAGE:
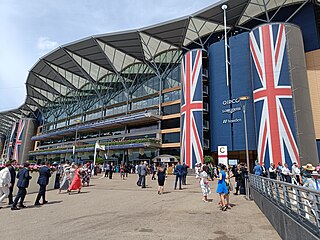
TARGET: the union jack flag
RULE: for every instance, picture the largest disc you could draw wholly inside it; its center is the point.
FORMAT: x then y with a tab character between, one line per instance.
17	147
191	108
11	138
273	96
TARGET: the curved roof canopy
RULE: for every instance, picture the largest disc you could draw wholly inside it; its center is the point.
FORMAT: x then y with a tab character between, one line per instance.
72	67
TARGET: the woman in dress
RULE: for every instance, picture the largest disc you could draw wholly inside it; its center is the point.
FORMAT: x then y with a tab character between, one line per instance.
86	175
76	182
197	170
229	175
204	183
122	171
65	178
161	178
222	187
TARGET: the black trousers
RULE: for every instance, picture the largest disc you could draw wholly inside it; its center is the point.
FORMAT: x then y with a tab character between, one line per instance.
287	178
110	174
184	179
106	173
41	193
10	194
22	192
178	177
238	186
153	174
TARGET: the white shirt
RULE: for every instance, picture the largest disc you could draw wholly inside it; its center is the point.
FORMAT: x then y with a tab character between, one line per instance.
5	177
295	170
285	171
203	174
272	169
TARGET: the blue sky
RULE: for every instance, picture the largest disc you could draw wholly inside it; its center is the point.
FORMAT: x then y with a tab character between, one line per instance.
30	29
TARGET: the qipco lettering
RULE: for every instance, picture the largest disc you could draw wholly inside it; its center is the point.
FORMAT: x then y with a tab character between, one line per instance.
230	101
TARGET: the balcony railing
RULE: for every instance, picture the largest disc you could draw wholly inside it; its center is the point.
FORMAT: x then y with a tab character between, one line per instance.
99	124
206	89
302	203
206	144
205	72
133	143
206	125
206	107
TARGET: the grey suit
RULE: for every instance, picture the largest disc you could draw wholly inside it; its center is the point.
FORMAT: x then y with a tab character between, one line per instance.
143	174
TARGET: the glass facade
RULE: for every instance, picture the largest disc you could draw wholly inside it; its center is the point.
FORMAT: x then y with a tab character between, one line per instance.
172	109
136	89
137	81
170	123
142	104
171	137
171	96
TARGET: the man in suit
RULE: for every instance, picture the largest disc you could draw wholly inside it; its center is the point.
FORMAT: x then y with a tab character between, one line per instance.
178	171
139	174
184	174
111	170
143	174
13	174
107	170
23	184
43	180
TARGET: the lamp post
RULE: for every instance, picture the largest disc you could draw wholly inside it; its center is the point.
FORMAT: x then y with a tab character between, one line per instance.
75	141
224	8
245	99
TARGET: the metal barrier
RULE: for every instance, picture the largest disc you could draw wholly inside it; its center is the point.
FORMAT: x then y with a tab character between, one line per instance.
301	203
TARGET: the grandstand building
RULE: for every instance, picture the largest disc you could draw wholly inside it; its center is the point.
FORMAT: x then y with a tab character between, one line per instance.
127	90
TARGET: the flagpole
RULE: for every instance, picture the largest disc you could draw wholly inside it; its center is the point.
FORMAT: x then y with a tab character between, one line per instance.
224	8
94	158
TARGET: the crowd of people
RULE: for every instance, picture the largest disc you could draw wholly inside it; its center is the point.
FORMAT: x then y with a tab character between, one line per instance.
72	177
224	175
307	176
8	176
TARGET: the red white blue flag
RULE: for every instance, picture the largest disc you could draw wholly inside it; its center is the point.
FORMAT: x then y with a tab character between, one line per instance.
11	140
17	147
191	108
273	96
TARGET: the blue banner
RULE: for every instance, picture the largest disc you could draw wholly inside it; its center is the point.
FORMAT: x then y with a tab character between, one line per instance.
241	86
220	127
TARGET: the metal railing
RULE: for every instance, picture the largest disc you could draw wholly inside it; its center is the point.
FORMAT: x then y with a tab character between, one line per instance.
302	203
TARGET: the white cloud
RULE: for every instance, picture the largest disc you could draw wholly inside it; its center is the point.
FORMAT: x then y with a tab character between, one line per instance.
44	44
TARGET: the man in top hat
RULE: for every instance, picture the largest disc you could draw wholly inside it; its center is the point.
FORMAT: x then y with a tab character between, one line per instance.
23	184
43	180
13	174
5	182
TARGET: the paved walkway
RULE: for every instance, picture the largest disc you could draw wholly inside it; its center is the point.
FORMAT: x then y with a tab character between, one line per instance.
118	209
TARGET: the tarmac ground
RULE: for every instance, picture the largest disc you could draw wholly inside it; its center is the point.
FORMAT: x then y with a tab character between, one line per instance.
119	209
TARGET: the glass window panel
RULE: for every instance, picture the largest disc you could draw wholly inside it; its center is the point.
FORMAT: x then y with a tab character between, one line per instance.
170	137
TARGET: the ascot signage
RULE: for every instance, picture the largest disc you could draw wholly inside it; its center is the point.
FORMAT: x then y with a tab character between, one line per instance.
223	155
231	110
230	101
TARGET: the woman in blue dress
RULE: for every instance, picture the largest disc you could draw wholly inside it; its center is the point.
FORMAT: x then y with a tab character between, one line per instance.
222	187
